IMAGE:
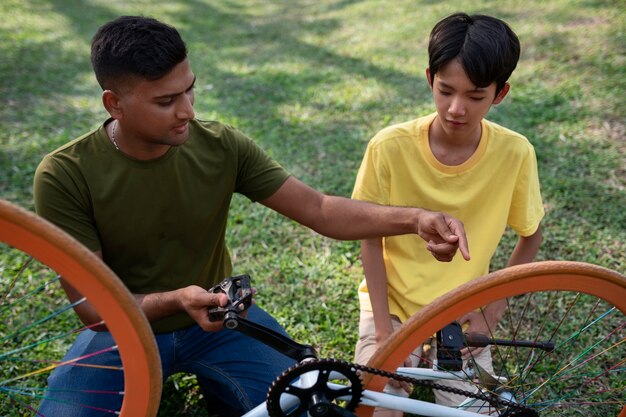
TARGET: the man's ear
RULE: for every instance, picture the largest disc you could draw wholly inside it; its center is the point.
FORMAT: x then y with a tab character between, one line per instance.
111	103
502	93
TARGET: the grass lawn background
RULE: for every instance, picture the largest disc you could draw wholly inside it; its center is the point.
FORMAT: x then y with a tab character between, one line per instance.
312	82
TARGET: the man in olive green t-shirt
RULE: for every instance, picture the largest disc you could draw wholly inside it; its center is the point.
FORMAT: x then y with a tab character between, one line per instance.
149	191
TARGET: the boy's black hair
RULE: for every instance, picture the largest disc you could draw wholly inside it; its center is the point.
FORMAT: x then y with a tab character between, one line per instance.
485	46
135	46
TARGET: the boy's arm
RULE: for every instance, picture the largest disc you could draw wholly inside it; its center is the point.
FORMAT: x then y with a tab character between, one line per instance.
376	278
524	252
526	248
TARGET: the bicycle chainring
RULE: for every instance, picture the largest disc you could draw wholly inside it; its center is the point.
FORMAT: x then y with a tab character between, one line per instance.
283	385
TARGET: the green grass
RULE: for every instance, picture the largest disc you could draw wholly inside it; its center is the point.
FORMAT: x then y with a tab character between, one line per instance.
312	82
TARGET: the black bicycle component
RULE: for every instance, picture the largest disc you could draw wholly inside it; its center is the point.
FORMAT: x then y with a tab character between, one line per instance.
450	341
279	342
318	398
239	293
480	340
520	413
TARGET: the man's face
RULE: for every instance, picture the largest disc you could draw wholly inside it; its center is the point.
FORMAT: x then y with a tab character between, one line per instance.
460	104
155	115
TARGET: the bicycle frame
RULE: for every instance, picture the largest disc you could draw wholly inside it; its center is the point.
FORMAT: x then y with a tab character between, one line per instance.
602	286
304	353
386	400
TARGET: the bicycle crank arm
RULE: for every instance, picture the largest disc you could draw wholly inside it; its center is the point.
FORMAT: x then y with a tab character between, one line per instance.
275	340
479	340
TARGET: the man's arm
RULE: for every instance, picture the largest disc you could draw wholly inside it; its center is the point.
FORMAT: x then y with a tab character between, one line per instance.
193	299
345	219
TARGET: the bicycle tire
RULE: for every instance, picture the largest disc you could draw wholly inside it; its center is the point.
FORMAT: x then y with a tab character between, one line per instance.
82	269
578	277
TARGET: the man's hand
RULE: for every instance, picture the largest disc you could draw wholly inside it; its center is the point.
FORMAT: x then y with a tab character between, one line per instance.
196	301
444	234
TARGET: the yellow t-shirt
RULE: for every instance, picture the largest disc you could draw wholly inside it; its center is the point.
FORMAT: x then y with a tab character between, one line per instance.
497	186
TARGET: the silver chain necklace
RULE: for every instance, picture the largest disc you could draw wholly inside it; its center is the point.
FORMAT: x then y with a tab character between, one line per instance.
113	135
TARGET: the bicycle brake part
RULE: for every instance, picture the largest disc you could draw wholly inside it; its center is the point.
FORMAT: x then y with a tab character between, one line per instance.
239	293
449	344
318	398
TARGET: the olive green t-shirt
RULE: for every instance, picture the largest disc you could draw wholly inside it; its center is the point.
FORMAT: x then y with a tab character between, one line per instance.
161	223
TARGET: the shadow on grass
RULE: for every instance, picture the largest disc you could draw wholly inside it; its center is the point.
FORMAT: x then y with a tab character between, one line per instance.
251	68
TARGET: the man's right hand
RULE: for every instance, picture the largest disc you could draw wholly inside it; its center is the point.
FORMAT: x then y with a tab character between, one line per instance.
444	235
196	301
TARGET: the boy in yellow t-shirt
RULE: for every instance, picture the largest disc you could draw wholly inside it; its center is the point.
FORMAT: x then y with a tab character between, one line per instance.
455	161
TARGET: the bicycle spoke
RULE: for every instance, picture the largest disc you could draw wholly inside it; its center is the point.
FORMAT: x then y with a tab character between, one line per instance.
41	321
23	405
9	286
559	348
6	355
35	331
38	327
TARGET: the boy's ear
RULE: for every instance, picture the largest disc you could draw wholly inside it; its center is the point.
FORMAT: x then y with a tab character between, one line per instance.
111	103
430	82
502	93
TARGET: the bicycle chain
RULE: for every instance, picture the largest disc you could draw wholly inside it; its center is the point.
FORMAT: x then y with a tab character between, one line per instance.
513	409
518	409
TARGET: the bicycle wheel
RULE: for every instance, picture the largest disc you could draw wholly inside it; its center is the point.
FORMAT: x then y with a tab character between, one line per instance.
576	306
35	315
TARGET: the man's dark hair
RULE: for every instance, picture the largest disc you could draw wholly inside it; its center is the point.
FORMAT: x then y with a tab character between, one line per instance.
485	46
135	46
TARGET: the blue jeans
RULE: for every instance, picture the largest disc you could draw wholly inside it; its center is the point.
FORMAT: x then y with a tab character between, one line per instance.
228	365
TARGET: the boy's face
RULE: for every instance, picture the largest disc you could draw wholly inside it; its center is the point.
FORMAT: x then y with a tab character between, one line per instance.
154	115
460	104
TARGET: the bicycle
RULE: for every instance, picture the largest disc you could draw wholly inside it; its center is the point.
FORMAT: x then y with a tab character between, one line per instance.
313	384
32	246
591	296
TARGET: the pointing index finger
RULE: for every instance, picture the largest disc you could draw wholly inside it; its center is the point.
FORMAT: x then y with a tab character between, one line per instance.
459	231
